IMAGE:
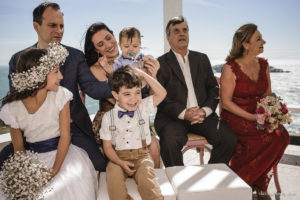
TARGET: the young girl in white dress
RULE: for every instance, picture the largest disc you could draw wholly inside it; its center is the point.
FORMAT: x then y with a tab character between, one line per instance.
39	107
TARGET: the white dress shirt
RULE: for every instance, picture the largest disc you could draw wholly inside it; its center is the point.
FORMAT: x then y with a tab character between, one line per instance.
128	134
191	98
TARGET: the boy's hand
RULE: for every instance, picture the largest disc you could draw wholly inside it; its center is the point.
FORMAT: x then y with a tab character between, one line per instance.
128	168
141	72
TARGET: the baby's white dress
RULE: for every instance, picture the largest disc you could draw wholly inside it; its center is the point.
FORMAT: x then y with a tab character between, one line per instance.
77	178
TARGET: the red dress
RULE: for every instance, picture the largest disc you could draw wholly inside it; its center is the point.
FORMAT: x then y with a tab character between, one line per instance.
257	151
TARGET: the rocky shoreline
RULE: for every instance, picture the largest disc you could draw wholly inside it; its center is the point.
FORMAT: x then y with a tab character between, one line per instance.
218	69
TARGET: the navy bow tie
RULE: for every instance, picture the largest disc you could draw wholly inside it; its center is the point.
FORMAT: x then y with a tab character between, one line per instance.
129	113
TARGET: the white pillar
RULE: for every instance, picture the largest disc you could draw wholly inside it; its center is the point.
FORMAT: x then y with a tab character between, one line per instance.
172	8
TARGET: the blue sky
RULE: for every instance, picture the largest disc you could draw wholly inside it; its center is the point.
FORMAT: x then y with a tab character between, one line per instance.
212	24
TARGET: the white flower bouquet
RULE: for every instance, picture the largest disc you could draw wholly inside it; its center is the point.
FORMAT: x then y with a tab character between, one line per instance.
271	112
23	176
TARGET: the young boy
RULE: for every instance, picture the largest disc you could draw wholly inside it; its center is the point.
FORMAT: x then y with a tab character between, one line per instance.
130	45
126	135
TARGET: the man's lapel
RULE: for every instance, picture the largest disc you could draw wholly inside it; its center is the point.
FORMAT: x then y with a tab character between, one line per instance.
193	67
172	61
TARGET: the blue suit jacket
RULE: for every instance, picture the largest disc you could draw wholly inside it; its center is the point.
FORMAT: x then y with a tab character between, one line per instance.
75	71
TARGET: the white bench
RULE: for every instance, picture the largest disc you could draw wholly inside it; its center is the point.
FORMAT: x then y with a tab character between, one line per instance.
209	182
5	139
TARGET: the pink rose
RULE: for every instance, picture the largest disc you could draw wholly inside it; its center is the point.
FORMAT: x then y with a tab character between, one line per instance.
260	119
264	100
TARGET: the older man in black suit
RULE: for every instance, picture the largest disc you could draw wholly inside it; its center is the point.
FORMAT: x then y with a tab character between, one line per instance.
49	24
193	95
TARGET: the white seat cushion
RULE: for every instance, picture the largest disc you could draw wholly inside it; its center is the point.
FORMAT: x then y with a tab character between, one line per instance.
209	182
165	186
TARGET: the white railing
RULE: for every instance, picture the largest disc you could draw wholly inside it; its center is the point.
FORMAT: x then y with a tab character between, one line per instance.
5	138
295	110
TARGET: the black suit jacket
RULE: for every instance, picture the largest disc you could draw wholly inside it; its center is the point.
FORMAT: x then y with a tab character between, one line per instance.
171	77
75	71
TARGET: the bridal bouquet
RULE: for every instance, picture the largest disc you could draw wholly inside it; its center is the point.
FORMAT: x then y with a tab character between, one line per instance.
271	112
23	176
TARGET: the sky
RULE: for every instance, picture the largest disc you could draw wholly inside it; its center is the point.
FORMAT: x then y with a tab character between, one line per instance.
212	24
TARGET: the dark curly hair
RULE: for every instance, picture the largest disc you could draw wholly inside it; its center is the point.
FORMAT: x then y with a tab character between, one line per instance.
28	59
124	76
90	53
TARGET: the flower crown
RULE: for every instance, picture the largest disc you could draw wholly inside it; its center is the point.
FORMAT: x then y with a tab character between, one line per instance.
29	80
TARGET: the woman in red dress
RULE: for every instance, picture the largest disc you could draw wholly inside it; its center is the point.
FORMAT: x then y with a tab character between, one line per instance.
245	80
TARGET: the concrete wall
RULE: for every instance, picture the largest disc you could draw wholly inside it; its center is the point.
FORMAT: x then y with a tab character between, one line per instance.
172	8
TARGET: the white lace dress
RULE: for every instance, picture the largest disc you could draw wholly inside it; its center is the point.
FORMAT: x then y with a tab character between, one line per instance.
77	177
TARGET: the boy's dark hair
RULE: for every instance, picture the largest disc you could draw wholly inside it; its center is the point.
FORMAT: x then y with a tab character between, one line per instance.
124	76
40	9
129	32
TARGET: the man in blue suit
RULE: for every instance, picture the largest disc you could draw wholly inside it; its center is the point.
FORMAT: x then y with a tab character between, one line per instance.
49	24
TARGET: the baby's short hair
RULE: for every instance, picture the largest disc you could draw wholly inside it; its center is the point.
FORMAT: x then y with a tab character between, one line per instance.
129	32
124	76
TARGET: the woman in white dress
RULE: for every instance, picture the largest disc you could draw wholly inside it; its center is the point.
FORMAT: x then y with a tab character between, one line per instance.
39	107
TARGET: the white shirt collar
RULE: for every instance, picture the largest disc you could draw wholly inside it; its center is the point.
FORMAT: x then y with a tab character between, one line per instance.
179	57
117	107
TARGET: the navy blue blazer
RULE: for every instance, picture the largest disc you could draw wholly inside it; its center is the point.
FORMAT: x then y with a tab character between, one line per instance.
75	71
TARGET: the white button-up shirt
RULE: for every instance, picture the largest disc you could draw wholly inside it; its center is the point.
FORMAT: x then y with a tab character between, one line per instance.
191	98
128	134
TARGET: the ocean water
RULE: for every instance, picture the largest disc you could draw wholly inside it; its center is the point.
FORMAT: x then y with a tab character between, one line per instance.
3	81
286	85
